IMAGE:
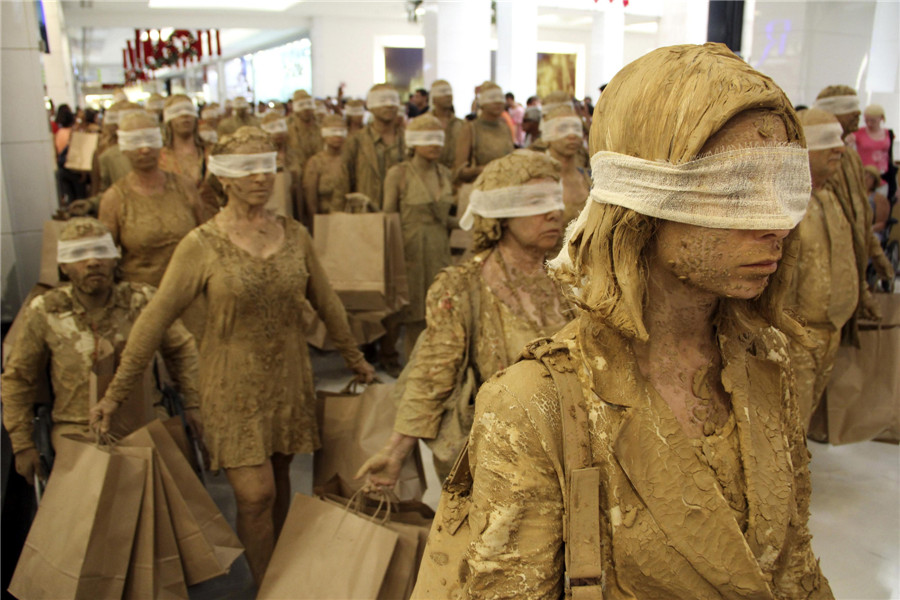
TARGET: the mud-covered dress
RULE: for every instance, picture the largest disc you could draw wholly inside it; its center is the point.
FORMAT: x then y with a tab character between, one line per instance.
720	517
256	381
325	183
468	325
190	167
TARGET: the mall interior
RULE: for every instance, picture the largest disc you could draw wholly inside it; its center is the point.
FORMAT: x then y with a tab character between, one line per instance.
84	52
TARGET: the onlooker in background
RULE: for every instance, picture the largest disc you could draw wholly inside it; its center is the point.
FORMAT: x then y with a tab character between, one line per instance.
875	146
881	206
589	105
72	185
533	101
418	103
531	125
64	122
516	113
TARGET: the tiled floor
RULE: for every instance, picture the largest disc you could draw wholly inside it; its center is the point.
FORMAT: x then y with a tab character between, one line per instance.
855	511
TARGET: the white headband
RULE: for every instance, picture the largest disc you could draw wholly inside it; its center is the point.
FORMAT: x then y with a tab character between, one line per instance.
824	136
490	96
213	112
140	138
379	98
838	105
276	126
749	188
209	135
242	165
430	137
155	104
355	111
304	104
334	132
441	89
560	128
546	108
240	103
515	201
71	251
179	109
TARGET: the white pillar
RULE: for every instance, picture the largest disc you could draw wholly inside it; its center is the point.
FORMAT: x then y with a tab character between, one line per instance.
458	46
607	45
27	187
58	63
517	47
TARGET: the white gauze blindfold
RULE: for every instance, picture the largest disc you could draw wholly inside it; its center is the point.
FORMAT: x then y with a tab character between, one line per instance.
155	104
276	126
749	188
240	103
72	251
838	105
560	128
140	138
211	113
432	137
355	111
441	90
546	108
114	117
515	201
823	136
179	110
491	96
242	165
209	135
379	98
334	132
304	104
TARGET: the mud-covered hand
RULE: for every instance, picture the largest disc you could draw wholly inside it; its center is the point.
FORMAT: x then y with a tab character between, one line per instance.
383	468
194	422
101	414
883	266
870	309
28	462
365	372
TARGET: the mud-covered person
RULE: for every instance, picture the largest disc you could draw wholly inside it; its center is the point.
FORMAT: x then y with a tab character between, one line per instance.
326	181
257	272
679	360
70	327
183	151
480	314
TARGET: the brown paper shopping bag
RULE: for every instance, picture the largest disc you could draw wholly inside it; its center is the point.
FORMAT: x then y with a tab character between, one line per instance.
863	395
352	428
206	543
325	551
80	542
82	146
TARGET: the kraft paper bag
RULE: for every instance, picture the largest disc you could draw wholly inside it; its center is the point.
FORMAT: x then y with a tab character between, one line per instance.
326	551
206	543
82	146
80	543
352	428
863	395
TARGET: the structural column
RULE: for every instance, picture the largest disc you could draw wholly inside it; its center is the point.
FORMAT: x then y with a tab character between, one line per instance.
607	45
58	63
28	187
517	32
458	46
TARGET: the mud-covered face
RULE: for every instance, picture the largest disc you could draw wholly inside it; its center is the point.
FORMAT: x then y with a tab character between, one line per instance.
432	152
335	142
849	121
252	190
385	114
727	263
92	276
183	125
540	232
824	163
492	110
566	146
143	159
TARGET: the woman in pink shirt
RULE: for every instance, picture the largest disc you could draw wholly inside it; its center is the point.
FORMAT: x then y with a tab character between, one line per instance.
874	144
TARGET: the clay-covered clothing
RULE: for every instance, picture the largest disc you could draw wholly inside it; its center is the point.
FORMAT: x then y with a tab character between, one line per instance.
720	519
461	312
113	167
368	160
424	221
329	178
190	167
231	124
149	227
256	381
490	140
451	135
304	140
58	329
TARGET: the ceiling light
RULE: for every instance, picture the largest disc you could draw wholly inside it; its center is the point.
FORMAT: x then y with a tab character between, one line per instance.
267	5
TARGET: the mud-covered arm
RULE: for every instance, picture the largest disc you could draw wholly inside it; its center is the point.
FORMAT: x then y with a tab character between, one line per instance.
433	371
19	382
179	351
329	306
311	187
349	156
391	201
797	572
183	281
516	546
110	212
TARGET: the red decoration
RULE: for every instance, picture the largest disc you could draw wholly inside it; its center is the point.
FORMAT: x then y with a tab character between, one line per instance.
180	50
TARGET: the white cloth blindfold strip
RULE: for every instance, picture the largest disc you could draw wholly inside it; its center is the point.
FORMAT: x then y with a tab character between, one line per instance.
155	104
441	90
491	96
179	110
211	113
750	188
838	105
434	137
276	126
140	138
242	165
209	135
515	201
334	132
380	98
305	104
240	103
560	128
546	108
72	251
114	117
354	111
823	136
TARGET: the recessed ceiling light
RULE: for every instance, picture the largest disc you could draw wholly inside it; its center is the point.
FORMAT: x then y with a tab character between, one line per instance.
267	5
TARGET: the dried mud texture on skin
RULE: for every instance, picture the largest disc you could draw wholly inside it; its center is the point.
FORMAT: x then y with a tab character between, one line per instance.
58	328
332	182
369	158
723	521
256	380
